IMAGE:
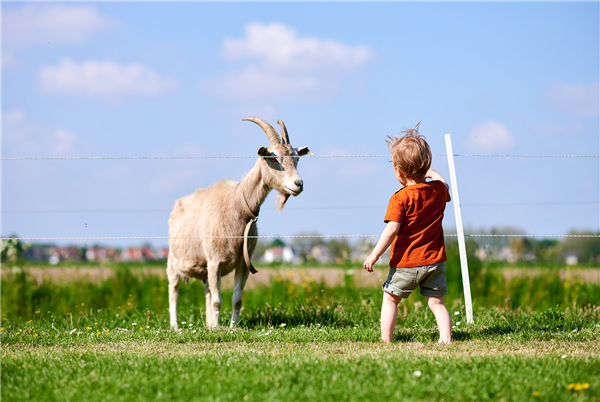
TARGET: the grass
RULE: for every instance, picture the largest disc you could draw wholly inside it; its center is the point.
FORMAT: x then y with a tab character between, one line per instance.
110	341
277	370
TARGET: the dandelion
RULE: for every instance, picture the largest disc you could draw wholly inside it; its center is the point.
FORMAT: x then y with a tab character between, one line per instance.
106	330
578	386
35	335
417	373
99	332
29	322
88	328
95	323
537	393
1	329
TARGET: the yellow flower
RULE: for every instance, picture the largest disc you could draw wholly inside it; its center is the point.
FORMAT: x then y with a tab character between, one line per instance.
578	386
278	279
1	329
98	333
537	393
35	335
29	322
106	330
88	328
95	323
282	325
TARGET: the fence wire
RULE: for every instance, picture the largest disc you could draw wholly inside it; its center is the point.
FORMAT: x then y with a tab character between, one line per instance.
264	157
277	237
267	157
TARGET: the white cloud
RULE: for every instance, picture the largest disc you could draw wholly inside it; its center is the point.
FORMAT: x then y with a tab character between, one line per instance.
577	99
102	78
279	63
23	138
490	137
36	24
278	46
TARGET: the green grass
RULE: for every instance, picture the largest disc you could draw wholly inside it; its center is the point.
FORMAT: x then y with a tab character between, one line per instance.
277	370
296	341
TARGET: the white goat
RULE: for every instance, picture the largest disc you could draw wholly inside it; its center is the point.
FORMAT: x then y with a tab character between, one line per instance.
206	227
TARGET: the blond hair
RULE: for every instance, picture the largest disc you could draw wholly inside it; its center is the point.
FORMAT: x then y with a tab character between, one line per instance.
410	153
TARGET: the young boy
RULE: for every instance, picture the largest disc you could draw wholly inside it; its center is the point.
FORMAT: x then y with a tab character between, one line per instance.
414	230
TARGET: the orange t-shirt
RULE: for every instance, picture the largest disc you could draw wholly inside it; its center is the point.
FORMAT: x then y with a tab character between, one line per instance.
420	209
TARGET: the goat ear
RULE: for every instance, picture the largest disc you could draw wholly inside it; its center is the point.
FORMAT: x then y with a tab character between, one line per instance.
304	151
263	151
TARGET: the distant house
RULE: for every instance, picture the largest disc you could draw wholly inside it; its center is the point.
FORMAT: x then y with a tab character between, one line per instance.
321	254
280	254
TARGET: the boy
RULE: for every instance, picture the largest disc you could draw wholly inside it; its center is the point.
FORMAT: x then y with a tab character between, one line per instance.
414	230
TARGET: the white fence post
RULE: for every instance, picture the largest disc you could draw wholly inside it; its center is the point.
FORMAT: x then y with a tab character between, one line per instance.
464	266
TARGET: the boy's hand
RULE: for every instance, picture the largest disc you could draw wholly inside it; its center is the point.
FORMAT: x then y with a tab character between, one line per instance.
433	175
370	261
387	236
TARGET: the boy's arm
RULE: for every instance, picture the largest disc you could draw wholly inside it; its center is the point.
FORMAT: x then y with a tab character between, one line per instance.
387	236
433	175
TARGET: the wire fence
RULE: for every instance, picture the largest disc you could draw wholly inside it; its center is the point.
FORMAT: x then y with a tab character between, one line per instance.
267	157
283	237
315	207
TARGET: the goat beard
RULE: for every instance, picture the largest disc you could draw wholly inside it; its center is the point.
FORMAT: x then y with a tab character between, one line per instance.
281	201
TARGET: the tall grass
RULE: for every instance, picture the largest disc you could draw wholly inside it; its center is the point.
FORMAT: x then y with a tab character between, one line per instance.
23	298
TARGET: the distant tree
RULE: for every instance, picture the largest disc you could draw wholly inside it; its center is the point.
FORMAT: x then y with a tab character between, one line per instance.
340	250
587	249
308	242
12	250
277	243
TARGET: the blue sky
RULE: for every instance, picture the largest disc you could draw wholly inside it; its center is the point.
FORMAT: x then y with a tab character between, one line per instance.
175	79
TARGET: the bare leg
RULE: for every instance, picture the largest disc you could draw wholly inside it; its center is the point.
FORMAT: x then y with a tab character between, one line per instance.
173	294
214	285
241	276
436	304
389	315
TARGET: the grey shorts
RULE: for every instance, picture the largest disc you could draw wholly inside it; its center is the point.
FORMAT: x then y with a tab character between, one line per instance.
431	279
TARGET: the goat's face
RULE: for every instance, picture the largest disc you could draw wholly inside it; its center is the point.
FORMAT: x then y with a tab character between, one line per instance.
280	161
280	171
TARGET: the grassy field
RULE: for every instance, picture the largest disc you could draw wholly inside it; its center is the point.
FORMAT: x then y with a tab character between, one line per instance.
298	340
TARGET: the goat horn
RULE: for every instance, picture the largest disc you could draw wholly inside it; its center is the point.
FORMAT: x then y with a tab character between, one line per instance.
284	134
267	128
